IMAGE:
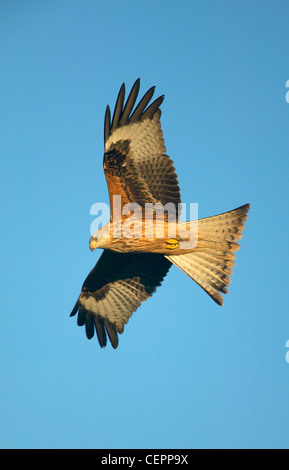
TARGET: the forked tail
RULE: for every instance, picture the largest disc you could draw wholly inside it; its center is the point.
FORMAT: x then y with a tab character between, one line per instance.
211	262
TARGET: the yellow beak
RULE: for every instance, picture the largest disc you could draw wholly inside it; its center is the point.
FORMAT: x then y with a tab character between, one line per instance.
92	244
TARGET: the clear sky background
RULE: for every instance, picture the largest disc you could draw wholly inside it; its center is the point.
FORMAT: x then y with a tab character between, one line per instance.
187	373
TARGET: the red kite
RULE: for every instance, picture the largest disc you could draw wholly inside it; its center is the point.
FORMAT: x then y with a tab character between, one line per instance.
129	270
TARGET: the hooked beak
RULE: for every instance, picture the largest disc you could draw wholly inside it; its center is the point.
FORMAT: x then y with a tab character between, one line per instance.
92	243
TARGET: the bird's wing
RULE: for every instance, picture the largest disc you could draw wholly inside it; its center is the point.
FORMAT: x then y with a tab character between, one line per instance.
135	164
114	289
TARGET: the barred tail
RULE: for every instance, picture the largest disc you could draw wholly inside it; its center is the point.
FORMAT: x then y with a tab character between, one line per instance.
210	263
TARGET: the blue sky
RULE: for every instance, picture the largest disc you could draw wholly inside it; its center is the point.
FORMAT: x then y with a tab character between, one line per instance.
187	373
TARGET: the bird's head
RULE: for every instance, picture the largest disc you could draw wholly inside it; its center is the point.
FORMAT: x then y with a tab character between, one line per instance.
93	243
99	238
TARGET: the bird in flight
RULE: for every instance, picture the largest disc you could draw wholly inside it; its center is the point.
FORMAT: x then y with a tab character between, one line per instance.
140	175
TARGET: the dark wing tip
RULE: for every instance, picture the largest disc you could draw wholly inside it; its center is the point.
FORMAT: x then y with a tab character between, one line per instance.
89	325
118	110
136	115
100	331
130	102
91	322
152	109
124	113
107	123
112	334
75	309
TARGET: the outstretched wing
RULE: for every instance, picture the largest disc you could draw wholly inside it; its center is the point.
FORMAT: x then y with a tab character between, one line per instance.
135	164
114	289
